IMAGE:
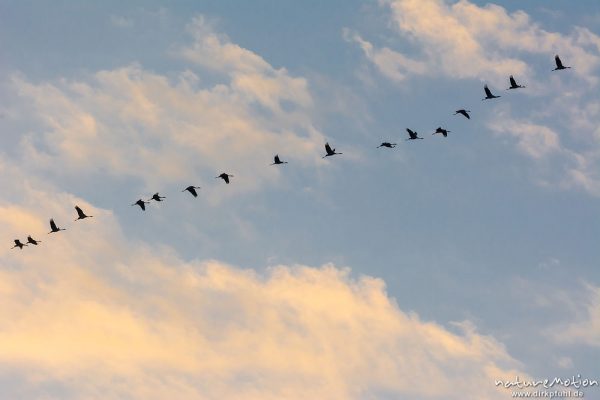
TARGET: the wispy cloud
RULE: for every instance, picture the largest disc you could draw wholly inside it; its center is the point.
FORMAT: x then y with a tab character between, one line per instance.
121	21
464	40
561	134
570	162
133	122
585	328
392	64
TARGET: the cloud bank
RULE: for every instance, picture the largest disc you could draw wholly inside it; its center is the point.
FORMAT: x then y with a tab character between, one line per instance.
89	314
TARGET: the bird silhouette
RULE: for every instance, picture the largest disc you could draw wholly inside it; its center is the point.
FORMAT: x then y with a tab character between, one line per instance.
277	161
192	190
387	144
18	244
412	134
81	214
559	64
465	113
33	241
224	176
442	131
53	227
141	203
156	197
329	151
513	84
488	93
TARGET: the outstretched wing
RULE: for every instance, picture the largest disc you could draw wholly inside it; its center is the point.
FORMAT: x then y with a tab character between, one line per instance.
276	159
328	148
513	83
53	225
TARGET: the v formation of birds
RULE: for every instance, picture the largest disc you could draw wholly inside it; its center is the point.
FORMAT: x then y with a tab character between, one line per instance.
329	151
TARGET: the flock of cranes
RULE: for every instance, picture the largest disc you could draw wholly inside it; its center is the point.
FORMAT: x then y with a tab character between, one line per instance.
329	151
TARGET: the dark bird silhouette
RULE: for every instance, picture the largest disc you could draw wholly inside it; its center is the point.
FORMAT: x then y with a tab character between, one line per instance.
387	144
53	227
559	64
81	214
513	84
465	113
33	241
141	203
156	197
412	134
488	93
329	151
192	190
18	244
442	131
277	161
224	176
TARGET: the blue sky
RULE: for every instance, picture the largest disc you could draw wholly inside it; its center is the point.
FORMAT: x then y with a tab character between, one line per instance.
480	248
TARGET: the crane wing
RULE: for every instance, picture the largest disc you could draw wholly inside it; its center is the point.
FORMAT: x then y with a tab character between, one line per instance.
513	83
559	63
80	212
488	92
328	148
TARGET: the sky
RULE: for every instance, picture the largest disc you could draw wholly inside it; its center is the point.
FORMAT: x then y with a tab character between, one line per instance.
425	271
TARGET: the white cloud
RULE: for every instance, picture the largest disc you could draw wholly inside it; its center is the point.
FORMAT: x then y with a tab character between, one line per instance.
133	122
463	40
567	154
391	64
534	140
250	73
94	315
